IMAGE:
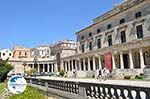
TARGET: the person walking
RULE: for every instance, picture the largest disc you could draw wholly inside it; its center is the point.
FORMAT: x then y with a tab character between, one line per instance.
99	75
104	74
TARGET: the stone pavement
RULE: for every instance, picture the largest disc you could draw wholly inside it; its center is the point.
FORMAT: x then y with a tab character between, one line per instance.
112	82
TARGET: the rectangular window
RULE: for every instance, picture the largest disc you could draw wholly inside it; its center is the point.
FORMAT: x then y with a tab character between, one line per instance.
82	48
122	21
98	30
138	14
19	53
123	37
99	43
109	40
90	34
82	37
139	31
90	45
3	54
25	53
109	26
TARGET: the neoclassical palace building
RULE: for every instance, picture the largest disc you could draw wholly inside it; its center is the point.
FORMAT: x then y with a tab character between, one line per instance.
118	40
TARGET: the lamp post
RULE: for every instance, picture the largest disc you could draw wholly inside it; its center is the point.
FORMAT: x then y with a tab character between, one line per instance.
24	64
35	63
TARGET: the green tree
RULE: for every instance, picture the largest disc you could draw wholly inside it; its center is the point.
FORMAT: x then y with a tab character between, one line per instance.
5	67
62	73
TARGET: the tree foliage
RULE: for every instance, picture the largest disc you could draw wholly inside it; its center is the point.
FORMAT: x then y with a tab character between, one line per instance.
5	67
62	73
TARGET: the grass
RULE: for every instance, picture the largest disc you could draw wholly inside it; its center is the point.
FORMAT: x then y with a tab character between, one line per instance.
1	87
30	93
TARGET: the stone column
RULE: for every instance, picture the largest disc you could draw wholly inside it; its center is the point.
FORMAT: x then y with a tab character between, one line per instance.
66	66
47	67
43	67
72	65
131	59
33	66
141	58
38	68
89	68
121	61
80	64
61	65
84	67
76	65
69	65
100	63
94	65
55	67
52	67
113	61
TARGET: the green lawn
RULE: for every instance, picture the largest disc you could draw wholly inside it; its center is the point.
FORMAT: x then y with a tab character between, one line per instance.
30	93
1	87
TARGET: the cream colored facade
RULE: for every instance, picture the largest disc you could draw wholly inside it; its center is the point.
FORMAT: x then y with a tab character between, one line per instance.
21	52
51	64
123	33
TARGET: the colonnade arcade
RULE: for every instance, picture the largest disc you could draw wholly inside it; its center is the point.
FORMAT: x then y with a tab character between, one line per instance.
43	67
136	58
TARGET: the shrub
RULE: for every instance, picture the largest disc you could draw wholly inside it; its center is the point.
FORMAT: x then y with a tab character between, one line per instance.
139	77
141	74
4	69
127	77
62	73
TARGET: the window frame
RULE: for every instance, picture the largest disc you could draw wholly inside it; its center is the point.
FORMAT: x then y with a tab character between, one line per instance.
90	47
137	31
109	44
98	43
83	48
124	36
109	26
120	22
138	14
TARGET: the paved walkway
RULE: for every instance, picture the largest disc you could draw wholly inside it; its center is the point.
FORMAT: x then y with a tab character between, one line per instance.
113	82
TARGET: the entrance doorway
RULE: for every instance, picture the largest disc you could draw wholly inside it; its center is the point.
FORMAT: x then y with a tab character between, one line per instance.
126	61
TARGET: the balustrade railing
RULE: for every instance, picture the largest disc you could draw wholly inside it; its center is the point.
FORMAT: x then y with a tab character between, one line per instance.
95	90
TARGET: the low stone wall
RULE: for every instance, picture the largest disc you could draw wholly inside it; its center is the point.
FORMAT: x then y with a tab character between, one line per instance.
147	73
91	90
120	73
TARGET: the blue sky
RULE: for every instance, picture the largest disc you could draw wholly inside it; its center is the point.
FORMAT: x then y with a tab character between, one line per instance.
37	22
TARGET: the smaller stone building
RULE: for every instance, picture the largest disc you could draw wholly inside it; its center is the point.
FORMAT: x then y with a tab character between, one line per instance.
41	51
63	49
21	52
